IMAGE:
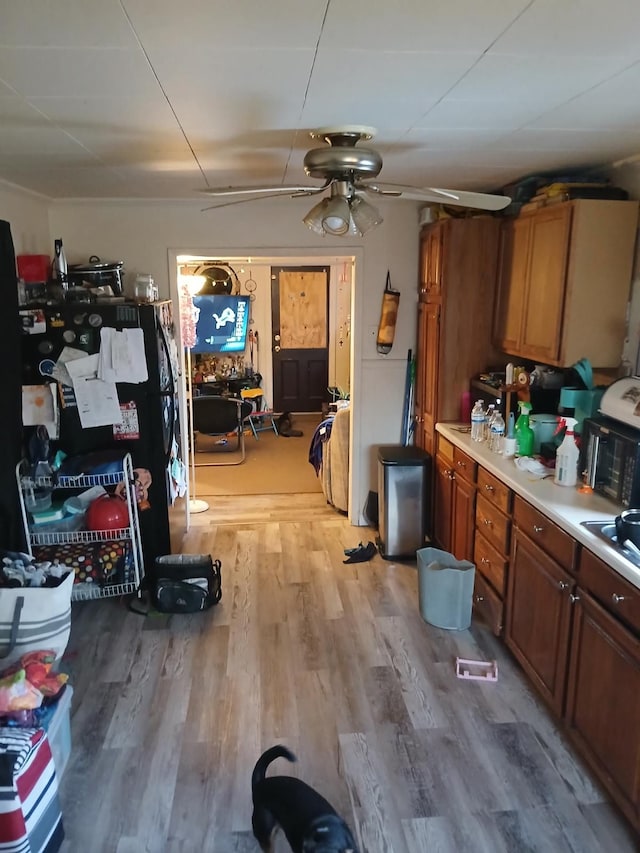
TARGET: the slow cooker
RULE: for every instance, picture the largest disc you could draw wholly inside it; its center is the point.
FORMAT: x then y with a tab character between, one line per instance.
97	273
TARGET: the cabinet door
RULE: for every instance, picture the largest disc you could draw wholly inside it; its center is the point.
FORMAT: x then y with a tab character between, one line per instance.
512	283
603	701
442	503
463	512
431	262
421	375
431	367
538	617
544	307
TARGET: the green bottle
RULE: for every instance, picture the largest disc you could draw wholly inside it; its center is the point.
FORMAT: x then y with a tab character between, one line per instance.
524	433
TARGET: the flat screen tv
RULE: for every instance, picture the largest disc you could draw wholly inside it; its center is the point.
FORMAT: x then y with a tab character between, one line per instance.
222	323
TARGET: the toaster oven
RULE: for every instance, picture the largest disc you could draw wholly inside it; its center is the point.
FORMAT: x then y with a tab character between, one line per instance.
610	459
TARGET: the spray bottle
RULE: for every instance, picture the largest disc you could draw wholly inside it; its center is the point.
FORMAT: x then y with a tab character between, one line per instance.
524	433
567	455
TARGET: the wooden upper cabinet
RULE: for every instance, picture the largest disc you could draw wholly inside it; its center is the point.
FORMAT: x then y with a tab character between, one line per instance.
458	264
431	261
514	254
564	282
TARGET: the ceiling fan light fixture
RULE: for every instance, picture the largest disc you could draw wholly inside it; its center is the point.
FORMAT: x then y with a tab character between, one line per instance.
313	219
364	215
336	216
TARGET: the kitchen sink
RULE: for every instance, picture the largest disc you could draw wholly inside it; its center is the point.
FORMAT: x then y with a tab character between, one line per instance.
606	530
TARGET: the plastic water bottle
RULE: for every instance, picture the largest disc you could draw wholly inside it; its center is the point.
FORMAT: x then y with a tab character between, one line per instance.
496	434
488	420
477	421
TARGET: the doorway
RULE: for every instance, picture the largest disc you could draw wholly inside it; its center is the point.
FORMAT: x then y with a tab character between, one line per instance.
300	323
254	275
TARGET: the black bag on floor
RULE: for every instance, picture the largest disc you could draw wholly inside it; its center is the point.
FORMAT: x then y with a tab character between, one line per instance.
186	583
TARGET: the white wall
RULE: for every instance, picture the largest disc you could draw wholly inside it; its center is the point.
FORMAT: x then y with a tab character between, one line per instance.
142	233
28	215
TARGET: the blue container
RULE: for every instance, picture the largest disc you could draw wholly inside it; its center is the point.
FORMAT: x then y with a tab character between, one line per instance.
445	589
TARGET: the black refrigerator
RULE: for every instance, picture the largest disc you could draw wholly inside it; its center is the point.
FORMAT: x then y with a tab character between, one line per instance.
11	530
150	429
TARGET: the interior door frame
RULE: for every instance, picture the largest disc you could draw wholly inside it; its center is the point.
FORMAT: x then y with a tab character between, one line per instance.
306	256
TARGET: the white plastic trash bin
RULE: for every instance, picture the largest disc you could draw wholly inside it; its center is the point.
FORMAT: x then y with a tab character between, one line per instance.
445	589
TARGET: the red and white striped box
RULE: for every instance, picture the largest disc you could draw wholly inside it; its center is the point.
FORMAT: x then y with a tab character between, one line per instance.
30	816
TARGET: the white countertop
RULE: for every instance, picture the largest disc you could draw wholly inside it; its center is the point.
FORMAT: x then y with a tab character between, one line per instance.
567	507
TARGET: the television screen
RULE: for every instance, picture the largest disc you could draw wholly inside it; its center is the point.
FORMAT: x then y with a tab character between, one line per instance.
222	323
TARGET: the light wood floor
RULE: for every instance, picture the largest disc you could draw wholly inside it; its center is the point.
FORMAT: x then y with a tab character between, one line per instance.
170	713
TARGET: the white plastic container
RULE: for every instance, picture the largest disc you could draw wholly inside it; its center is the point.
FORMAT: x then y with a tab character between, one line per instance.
567	456
59	731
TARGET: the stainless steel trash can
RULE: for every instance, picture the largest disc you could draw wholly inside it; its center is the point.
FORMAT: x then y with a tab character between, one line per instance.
403	473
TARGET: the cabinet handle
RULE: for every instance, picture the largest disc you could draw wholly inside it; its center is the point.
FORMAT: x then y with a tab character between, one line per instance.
537	529
563	585
487	521
617	598
485	561
573	598
479	598
461	464
489	488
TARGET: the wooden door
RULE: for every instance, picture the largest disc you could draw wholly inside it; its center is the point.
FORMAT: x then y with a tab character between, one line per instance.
539	617
300	321
442	503
463	529
603	701
544	308
515	247
431	262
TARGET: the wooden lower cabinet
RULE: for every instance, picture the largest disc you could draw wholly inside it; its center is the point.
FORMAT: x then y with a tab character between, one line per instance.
454	497
491	548
603	701
577	638
539	617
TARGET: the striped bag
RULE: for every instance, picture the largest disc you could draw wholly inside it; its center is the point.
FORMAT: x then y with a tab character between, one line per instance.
30	817
34	619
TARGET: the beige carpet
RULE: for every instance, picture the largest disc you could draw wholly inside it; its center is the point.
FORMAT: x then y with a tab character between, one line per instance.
273	464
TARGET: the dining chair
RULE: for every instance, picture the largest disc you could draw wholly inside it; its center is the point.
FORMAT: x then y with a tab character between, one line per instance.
221	416
261	417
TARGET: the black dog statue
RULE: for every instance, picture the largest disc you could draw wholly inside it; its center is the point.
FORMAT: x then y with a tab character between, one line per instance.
309	822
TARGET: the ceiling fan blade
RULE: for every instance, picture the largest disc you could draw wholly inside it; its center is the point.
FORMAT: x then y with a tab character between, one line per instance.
262	190
264	195
463	198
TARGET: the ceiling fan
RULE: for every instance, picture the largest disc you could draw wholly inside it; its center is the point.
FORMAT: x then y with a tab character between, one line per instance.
349	173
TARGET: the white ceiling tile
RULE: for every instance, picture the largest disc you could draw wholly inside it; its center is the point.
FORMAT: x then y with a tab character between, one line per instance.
612	104
454	25
587	28
461	113
194	25
541	139
235	91
76	71
380	83
520	77
65	23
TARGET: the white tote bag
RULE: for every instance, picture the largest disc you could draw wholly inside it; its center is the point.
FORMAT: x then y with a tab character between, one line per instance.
34	618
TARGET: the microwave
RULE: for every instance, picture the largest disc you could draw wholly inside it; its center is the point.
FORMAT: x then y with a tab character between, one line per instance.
610	459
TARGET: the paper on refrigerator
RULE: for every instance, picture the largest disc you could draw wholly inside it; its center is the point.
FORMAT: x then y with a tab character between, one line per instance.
97	400
122	355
